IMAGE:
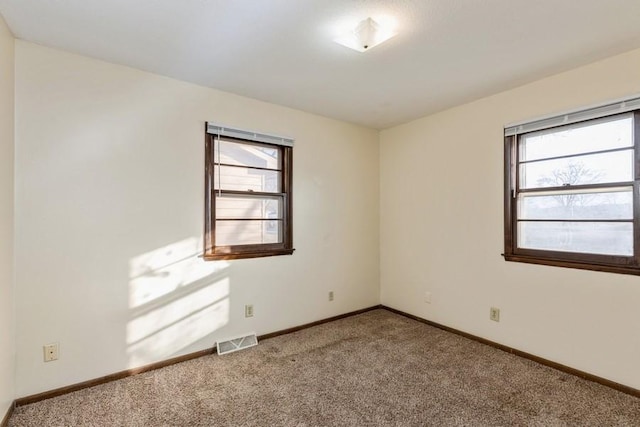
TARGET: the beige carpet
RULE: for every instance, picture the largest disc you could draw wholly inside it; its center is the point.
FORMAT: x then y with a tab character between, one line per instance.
374	369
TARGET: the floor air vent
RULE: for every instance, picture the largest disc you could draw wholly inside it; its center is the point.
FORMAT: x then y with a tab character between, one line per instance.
235	344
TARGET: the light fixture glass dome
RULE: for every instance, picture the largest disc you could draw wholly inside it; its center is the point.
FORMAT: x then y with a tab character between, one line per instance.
367	34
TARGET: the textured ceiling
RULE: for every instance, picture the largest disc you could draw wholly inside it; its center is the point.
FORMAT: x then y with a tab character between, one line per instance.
447	51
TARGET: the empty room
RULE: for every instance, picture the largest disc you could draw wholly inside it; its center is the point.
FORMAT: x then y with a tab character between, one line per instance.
319	213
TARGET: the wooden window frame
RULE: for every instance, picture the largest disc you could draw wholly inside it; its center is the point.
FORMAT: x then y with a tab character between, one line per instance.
586	261
213	252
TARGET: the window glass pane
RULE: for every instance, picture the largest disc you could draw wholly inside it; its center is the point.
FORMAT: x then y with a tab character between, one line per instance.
567	205
235	153
230	233
588	169
596	135
247	207
607	238
243	179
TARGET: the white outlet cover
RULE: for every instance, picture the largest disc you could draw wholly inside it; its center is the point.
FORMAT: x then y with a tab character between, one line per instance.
51	352
248	310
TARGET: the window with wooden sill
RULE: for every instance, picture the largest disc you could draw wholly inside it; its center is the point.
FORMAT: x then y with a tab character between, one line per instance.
248	185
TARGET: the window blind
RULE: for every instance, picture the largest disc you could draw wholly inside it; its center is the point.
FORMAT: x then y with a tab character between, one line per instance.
575	116
221	130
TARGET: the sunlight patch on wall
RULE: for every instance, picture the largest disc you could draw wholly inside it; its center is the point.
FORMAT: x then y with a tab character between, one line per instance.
175	299
164	270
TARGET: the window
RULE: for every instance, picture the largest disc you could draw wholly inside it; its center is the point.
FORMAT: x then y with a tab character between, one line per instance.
572	194
247	194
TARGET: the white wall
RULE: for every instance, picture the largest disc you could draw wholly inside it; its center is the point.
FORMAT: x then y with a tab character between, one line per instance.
109	220
109	182
442	231
7	324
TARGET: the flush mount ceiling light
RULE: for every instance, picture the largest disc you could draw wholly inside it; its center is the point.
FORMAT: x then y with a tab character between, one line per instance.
365	36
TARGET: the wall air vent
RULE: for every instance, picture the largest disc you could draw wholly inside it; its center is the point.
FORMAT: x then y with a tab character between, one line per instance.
239	343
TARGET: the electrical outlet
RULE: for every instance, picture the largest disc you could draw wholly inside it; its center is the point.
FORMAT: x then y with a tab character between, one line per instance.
330	295
50	352
427	297
248	310
494	314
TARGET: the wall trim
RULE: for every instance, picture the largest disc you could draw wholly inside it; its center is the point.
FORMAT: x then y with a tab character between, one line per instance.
558	366
111	377
5	420
157	365
318	322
